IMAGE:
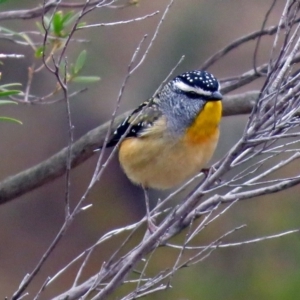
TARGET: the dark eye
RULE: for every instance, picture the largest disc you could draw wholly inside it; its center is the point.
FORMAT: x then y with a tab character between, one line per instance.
192	95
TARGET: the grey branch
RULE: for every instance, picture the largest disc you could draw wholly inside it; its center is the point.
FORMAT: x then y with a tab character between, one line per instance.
55	166
39	11
240	41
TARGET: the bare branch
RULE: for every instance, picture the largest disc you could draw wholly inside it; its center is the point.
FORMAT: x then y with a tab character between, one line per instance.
118	22
240	41
39	11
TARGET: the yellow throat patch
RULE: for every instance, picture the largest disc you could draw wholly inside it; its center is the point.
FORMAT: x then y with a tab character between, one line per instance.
206	123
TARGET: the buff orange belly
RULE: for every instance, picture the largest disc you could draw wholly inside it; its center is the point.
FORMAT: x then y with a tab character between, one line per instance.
161	165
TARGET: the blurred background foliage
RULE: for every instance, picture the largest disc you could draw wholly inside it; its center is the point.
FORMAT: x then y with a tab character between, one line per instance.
197	29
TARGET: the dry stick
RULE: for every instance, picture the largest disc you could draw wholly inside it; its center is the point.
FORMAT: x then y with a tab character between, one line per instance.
259	38
227	245
211	247
283	185
281	24
238	42
118	22
180	255
121	267
104	238
82	266
39	11
142	273
64	86
42	289
141	295
260	239
191	260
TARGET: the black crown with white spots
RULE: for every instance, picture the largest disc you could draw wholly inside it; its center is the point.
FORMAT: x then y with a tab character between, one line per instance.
199	79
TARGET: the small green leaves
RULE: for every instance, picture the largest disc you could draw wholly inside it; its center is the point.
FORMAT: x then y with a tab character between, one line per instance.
4	92
69	18
39	52
59	27
8	119
80	61
76	69
86	79
3	102
8	85
58	23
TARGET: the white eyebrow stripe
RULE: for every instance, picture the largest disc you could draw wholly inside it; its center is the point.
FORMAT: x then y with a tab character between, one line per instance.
187	88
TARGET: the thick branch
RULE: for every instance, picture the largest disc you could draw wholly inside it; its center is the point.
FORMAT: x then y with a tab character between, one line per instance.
55	166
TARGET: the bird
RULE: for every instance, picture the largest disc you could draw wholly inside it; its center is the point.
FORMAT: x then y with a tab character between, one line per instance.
170	138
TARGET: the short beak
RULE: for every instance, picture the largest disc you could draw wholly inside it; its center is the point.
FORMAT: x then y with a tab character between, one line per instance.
216	96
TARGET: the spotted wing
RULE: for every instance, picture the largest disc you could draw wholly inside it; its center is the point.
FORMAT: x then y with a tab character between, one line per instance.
138	121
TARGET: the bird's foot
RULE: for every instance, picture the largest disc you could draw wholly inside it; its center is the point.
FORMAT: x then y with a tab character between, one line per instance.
210	171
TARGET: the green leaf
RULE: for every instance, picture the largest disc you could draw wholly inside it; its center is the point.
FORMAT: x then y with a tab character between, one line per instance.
6	30
69	18
57	23
7	119
9	93
80	62
66	17
39	52
4	102
72	69
86	79
2	1
80	25
4	86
